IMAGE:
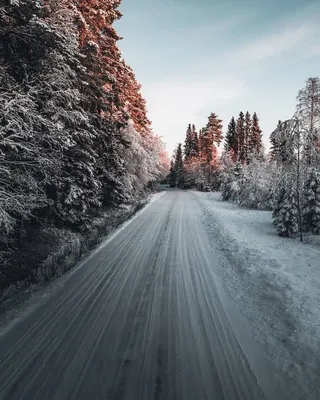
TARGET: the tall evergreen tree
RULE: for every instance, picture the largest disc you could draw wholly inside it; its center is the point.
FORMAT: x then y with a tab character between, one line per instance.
180	178
194	143
256	136
231	139
240	137
172	175
213	129
212	134
188	142
247	151
311	203
287	215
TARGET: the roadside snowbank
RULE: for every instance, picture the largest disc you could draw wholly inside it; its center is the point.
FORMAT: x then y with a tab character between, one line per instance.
276	284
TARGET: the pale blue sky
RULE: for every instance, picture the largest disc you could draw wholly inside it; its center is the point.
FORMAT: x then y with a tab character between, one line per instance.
194	57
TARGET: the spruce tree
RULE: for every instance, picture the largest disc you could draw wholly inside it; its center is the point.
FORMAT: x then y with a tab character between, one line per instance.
179	169
172	175
231	139
188	142
311	203
256	136
240	138
287	216
195	143
213	130
248	151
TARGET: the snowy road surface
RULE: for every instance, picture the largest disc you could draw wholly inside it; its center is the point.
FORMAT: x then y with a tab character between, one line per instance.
145	317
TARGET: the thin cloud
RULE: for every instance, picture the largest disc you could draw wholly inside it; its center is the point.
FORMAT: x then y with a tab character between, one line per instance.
171	105
274	44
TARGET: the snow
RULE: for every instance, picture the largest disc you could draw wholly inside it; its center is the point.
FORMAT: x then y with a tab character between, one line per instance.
276	283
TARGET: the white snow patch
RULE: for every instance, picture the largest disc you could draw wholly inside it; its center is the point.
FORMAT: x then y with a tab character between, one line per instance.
276	283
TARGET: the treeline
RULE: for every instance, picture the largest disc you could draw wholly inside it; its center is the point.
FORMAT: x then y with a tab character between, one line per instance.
286	180
75	139
198	163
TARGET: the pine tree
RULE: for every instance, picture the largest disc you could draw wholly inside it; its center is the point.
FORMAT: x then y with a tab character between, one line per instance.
213	130
200	143
231	139
256	136
188	142
194	143
311	203
179	169
248	151
240	138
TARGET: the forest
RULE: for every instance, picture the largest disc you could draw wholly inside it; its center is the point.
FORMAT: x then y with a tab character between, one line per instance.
285	180
78	154
77	151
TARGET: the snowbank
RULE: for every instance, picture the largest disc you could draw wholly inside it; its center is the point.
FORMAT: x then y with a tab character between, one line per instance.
276	283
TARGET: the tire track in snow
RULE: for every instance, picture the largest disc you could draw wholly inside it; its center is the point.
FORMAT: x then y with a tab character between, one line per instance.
141	319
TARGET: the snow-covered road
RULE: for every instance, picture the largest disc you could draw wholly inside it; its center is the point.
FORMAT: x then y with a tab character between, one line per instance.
165	309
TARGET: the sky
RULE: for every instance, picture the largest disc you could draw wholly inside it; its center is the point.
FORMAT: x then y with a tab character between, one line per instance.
194	57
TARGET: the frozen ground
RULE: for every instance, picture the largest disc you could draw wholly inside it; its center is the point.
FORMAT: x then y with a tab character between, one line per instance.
276	283
191	299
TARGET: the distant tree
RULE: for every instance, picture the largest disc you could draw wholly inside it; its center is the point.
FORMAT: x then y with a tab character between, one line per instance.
248	151
240	138
213	130
231	139
172	177
179	169
255	142
188	142
194	142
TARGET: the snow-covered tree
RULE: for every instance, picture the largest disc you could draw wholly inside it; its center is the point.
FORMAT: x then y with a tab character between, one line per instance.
311	203
283	144
308	113
230	182
256	185
287	215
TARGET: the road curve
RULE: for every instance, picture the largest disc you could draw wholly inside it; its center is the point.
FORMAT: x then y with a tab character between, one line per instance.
140	320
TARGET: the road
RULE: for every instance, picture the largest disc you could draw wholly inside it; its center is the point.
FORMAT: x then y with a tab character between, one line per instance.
140	319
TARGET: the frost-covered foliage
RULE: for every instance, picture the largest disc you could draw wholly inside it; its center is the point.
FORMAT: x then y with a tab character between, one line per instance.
67	151
287	213
145	162
230	182
256	184
311	203
250	185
